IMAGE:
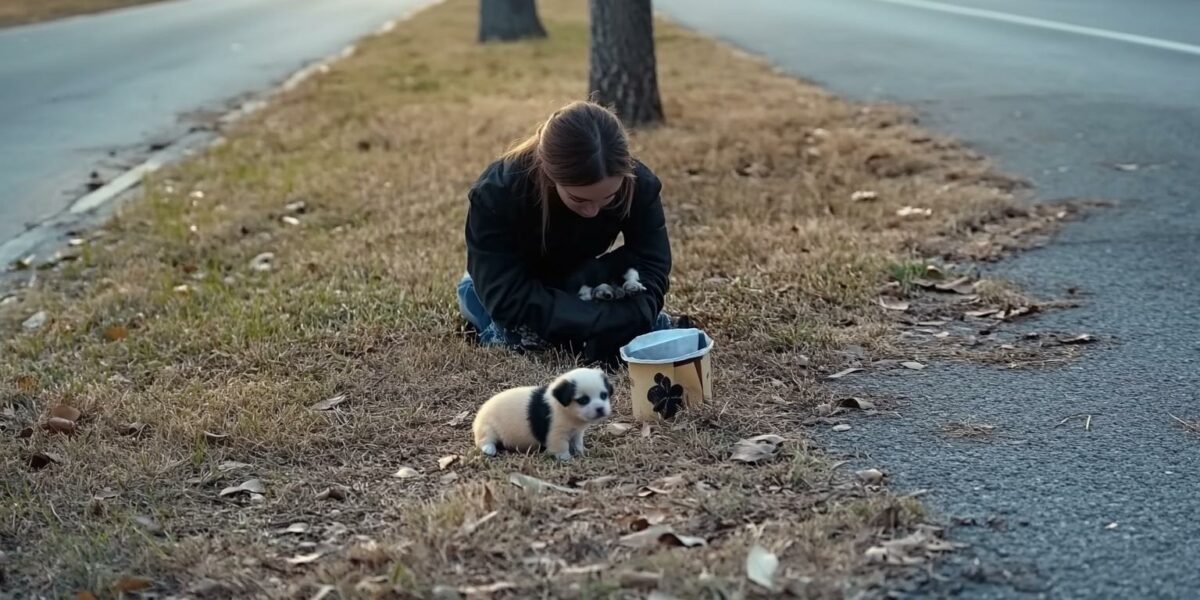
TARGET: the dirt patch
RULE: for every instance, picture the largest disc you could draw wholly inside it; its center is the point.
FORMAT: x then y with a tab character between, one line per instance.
314	255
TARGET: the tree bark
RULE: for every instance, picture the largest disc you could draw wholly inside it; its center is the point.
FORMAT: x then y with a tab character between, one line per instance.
509	20
622	70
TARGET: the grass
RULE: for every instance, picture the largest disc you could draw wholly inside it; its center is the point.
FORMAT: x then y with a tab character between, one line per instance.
20	12
218	362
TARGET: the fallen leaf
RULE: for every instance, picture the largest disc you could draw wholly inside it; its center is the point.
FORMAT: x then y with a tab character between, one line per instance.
36	321
1083	338
126	585
914	211
148	524
645	521
106	494
448	460
296	528
618	428
115	333
755	449
843	373
262	262
459	419
961	285
646	491
58	425
290	220
135	428
761	565
840	427
329	403
898	305
1019	311
584	569
855	404
62	411
250	486
231	465
41	460
491	588
303	559
864	196
870	476
298	206
406	473
181	289
660	534
536	485
333	492
912	364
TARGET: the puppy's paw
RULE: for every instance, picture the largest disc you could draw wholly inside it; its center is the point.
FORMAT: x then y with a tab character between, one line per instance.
563	456
586	293
633	287
488	449
604	292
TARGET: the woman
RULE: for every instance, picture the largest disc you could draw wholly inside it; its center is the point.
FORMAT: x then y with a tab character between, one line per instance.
539	222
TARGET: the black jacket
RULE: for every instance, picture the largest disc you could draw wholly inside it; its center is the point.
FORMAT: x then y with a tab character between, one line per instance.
522	283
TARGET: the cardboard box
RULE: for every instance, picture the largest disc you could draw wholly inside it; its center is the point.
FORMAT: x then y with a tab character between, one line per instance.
669	371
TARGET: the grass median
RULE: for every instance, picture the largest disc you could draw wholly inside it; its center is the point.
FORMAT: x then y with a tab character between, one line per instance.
20	12
313	256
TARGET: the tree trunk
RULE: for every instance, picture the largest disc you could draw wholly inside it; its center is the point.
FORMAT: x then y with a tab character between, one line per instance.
622	70
509	20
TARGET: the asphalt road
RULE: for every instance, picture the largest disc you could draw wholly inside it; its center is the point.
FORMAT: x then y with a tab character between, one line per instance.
1058	105
94	93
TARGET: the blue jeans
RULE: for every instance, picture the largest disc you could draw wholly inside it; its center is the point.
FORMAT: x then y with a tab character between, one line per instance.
491	334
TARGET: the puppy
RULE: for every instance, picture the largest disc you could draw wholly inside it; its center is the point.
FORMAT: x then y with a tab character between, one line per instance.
545	418
632	285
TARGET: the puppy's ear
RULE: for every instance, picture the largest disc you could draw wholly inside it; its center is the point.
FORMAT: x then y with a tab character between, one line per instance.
564	391
608	386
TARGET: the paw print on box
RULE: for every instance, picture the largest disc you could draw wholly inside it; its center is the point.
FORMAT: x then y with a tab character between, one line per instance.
665	397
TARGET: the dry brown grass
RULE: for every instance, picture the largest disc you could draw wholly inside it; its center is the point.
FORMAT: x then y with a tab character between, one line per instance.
17	12
772	255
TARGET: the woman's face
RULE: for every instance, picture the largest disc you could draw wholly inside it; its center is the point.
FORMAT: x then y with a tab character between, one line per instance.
588	200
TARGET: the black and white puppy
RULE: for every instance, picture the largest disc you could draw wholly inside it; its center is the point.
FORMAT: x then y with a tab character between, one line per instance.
631	285
547	418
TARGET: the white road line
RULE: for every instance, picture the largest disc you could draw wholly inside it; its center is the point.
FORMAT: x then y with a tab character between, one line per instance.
992	15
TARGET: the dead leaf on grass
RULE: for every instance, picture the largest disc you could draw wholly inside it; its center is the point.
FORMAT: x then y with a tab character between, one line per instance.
406	473
897	305
232	465
262	262
329	403
913	549
912	364
295	528
491	588
126	585
864	196
446	461
761	565
844	372
840	427
334	492
1083	338
459	419
134	429
250	486
870	476
115	333
618	428
57	425
757	448
290	220
62	411
303	559
35	321
961	285
914	211
536	485
41	460
660	534
645	520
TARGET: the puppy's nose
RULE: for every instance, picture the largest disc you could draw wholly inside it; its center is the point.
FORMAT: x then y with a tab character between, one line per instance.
601	411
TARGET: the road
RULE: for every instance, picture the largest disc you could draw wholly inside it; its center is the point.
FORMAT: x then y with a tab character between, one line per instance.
94	93
1055	101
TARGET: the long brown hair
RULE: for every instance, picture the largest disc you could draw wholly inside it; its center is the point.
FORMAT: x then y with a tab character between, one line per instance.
580	144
